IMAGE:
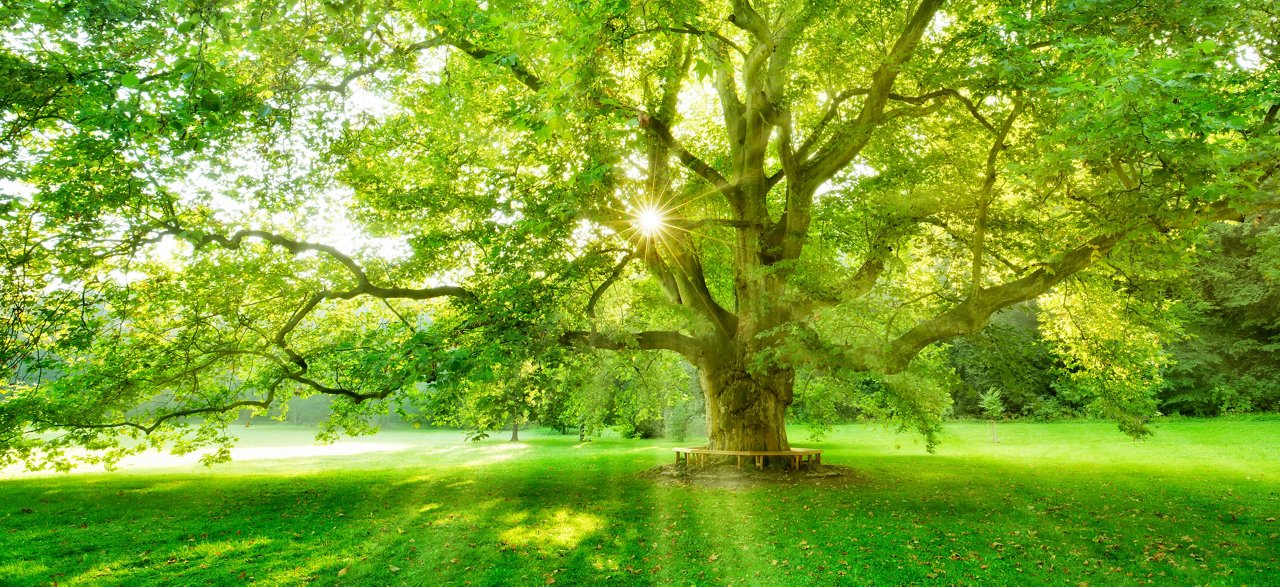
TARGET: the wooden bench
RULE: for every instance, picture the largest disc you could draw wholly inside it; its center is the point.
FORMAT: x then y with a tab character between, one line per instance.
797	456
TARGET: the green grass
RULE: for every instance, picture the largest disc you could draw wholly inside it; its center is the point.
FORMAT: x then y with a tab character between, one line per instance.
1060	503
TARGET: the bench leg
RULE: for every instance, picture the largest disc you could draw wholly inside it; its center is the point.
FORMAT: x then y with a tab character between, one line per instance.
739	461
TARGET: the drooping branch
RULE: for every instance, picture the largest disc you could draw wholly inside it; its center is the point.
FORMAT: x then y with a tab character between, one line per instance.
155	424
355	396
385	293
201	239
938	95
364	287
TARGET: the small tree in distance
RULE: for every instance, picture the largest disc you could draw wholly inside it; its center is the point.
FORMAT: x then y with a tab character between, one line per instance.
992	408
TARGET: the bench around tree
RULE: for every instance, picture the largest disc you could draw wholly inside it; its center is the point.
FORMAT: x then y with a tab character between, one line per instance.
795	456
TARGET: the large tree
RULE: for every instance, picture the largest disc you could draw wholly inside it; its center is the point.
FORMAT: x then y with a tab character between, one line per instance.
214	206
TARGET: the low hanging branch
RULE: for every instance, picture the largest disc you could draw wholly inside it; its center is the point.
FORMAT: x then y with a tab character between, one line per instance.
297	367
155	423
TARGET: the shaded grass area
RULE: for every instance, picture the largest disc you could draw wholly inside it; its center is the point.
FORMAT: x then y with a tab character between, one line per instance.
1060	503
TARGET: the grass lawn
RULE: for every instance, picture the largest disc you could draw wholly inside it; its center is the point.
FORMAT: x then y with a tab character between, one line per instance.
1060	503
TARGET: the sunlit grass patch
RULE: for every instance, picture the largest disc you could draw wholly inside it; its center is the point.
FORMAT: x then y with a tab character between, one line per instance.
557	530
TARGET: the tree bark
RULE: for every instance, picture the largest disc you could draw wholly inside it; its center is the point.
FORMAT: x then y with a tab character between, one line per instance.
746	411
515	430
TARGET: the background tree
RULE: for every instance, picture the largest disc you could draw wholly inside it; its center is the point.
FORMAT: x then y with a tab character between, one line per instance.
762	188
1228	360
992	408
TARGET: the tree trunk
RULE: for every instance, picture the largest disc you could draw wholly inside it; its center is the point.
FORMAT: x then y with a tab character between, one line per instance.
746	411
515	430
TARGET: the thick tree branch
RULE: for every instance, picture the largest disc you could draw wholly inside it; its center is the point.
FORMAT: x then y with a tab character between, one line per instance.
833	110
691	30
972	314
692	284
373	67
805	177
660	130
649	340
856	286
517	69
987	192
745	17
605	285
846	144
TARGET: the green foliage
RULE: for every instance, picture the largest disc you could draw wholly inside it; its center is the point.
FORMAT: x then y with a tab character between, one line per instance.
992	406
1011	356
1228	362
634	393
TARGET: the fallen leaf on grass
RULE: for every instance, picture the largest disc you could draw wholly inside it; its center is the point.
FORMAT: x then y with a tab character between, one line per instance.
343	571
393	568
713	558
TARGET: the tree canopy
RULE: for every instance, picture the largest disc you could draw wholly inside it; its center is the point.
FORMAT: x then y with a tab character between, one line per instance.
447	207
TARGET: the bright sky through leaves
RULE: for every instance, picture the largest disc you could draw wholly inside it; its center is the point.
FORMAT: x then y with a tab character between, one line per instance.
650	221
